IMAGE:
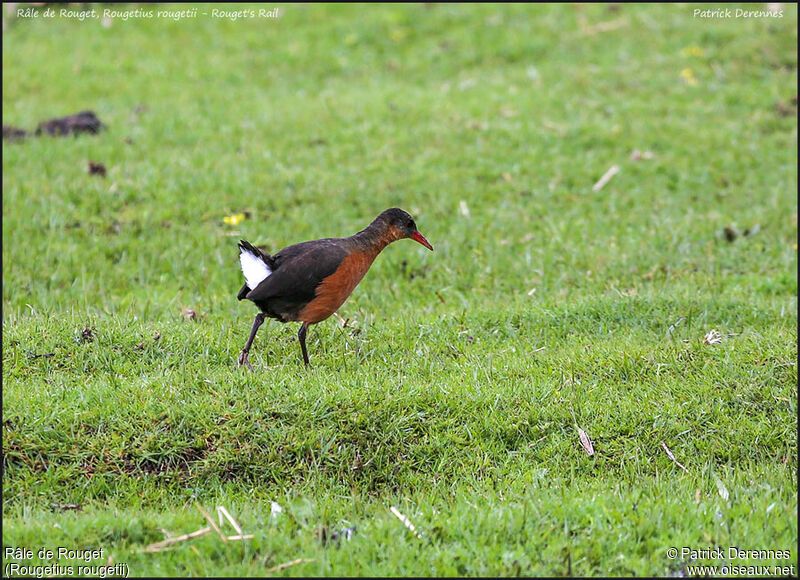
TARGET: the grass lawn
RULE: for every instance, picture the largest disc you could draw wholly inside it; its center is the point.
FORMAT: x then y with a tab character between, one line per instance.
456	392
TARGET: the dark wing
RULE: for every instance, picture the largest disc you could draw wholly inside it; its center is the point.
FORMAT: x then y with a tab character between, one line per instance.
299	270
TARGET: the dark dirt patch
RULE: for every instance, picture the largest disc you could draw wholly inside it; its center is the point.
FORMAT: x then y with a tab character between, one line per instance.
83	122
13	133
87	335
43	355
96	168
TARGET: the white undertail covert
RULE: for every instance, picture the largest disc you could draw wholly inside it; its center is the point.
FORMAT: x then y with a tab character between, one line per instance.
255	270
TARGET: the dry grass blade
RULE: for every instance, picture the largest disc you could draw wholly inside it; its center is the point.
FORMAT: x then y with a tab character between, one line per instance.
671	456
674	325
222	512
211	522
604	27
158	546
586	442
287	564
406	522
612	171
539	440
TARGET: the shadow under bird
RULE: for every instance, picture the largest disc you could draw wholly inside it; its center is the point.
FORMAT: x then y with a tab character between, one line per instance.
308	282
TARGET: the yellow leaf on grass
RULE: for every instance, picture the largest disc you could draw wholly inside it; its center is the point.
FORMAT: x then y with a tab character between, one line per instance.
234	219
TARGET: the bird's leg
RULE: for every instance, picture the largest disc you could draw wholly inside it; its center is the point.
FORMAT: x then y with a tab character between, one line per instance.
243	357
302	336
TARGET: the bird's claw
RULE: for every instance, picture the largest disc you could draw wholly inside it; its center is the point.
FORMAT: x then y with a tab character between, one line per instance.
244	361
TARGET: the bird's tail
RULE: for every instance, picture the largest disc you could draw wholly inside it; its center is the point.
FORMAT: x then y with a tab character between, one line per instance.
256	265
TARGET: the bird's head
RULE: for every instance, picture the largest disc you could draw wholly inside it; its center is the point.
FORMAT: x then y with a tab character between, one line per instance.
403	224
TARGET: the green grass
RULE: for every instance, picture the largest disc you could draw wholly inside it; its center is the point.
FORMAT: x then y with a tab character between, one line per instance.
456	391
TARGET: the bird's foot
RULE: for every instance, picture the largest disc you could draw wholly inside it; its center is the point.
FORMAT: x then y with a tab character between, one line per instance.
244	361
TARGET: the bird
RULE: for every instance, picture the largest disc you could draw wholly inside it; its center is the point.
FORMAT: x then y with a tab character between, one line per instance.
309	281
